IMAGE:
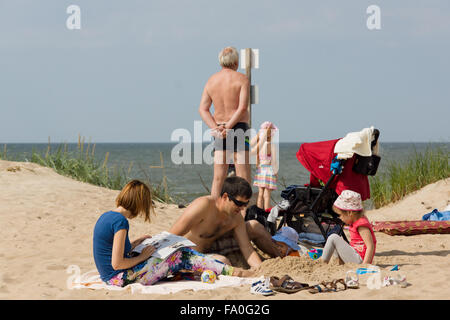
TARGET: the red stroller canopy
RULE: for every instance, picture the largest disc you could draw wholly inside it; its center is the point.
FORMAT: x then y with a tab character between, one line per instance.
316	157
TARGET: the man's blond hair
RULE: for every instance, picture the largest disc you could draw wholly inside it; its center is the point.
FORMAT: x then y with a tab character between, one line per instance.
229	57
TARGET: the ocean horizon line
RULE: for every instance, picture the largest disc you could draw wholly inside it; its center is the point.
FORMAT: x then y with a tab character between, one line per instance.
205	143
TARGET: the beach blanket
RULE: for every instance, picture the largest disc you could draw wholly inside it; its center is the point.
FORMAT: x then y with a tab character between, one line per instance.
91	280
410	228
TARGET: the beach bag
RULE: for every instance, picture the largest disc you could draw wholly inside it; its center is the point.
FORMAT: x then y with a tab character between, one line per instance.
301	199
366	165
260	215
289	192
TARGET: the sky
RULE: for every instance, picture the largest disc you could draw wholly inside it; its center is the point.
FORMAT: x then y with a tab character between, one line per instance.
135	70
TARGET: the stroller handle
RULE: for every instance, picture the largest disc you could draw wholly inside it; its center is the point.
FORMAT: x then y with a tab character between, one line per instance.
323	189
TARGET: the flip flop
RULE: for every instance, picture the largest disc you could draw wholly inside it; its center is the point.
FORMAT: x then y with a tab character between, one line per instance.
287	285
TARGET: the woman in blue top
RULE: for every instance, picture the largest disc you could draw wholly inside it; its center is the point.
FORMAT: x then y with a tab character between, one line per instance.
112	246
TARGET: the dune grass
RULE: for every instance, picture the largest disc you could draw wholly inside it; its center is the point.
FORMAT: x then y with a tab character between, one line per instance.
401	178
397	179
81	165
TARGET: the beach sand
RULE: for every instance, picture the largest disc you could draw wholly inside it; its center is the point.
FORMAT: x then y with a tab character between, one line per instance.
47	222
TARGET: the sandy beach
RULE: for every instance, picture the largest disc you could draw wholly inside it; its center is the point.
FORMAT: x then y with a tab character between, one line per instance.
47	222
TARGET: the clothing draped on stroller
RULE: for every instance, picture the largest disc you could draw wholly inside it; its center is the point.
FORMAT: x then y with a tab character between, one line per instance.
310	206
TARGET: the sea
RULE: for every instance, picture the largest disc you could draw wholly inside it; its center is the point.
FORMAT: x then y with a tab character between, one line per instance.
192	178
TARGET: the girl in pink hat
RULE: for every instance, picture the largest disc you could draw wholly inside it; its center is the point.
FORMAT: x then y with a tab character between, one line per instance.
362	238
266	163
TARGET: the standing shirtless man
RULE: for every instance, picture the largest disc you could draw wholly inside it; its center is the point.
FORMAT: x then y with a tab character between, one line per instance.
228	91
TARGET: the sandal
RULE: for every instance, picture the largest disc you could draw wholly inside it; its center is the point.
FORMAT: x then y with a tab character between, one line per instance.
339	285
261	287
396	280
331	286
287	285
401	280
323	287
352	280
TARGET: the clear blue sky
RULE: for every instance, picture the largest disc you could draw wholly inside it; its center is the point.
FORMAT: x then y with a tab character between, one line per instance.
136	69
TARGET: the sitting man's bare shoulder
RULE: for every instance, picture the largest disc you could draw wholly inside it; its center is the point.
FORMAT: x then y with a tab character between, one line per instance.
202	204
193	215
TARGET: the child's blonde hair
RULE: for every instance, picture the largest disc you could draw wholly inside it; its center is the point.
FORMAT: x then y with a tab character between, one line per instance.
264	140
136	197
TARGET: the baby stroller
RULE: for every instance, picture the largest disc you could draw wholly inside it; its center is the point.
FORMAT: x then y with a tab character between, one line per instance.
309	209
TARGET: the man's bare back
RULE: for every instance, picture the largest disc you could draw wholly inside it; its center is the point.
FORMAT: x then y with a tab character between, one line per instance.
226	88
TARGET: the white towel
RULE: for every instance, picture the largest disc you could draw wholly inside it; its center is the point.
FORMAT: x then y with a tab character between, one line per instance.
273	215
91	280
355	142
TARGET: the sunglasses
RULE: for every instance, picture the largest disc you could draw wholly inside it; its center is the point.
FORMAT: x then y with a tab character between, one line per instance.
237	202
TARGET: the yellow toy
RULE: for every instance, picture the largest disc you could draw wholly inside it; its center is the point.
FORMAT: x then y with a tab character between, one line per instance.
208	276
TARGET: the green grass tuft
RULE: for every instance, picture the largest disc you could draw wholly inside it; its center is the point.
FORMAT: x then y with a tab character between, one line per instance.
402	178
81	165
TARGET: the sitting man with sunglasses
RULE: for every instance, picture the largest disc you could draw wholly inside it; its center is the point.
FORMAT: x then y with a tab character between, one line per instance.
217	227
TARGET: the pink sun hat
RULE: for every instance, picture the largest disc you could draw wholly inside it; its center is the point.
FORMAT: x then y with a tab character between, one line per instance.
267	125
349	201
